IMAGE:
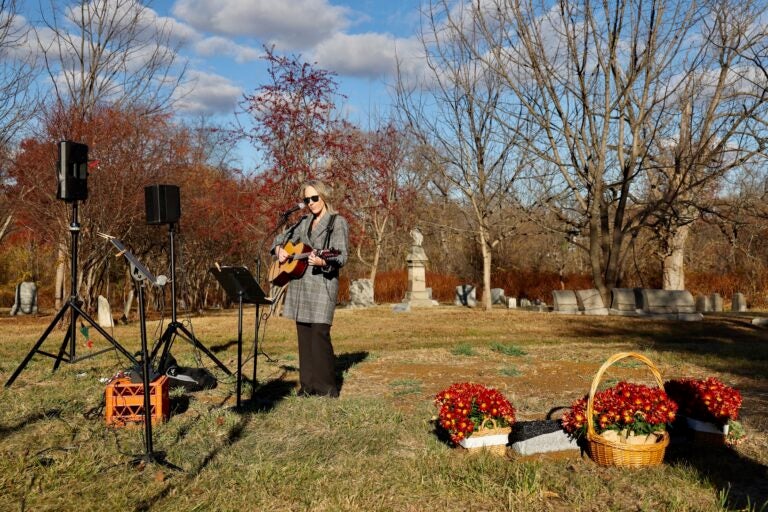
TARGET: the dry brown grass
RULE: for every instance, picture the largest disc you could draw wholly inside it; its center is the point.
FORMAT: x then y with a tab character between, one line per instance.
374	449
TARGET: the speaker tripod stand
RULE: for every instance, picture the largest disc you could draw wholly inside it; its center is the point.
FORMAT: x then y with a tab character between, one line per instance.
68	349
175	328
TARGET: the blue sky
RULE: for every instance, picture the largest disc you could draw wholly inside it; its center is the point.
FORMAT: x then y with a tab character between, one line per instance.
222	42
357	40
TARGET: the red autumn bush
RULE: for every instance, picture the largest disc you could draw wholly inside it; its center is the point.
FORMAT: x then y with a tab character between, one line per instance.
464	408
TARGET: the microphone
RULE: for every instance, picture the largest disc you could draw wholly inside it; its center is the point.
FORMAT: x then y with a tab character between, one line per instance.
296	208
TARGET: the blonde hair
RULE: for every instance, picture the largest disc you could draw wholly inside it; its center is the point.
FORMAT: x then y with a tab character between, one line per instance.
323	190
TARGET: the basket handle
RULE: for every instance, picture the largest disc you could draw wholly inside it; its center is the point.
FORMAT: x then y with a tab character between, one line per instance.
599	376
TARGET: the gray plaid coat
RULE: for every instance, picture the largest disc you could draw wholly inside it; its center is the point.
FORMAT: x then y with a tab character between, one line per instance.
312	298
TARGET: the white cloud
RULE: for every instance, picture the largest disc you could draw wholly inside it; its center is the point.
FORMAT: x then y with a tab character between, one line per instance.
290	24
218	46
207	93
368	55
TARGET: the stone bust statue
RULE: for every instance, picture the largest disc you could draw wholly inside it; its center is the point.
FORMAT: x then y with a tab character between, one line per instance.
418	238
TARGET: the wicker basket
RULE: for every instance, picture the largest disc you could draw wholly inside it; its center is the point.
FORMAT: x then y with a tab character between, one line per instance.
609	453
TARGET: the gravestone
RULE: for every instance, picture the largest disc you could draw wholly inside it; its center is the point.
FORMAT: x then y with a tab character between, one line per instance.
417	295
668	301
703	304
591	302
565	302
717	303
624	302
525	303
25	300
361	293
760	322
466	295
497	296
104	312
738	303
511	302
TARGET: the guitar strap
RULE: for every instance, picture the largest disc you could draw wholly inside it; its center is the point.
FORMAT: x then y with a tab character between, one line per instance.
328	231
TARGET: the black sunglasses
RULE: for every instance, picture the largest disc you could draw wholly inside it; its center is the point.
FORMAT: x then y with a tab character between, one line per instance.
313	199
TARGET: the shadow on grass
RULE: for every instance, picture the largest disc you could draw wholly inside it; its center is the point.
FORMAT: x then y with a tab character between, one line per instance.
28	420
742	482
346	361
221	347
734	344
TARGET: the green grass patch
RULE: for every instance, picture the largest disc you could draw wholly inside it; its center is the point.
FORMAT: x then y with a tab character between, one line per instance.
509	371
507	350
463	349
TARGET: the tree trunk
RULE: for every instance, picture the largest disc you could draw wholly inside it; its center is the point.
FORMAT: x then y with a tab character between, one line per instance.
58	285
485	250
673	269
375	262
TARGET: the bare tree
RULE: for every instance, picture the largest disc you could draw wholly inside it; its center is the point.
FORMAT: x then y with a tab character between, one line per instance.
18	101
456	111
604	88
109	51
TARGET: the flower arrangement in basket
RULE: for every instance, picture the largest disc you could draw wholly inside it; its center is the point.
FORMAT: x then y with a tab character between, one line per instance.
624	425
709	406
471	410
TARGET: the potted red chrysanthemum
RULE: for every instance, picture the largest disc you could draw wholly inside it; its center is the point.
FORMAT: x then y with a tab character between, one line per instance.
711	408
625	413
473	415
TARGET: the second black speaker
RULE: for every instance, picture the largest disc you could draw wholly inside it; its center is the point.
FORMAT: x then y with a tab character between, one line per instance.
163	204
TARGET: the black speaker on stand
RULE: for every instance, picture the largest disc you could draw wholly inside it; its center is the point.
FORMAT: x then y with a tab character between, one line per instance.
72	176
163	206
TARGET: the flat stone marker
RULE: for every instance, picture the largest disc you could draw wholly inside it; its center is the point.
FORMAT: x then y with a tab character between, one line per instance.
565	302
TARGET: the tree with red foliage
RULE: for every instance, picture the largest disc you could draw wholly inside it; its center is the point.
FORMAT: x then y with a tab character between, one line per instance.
127	151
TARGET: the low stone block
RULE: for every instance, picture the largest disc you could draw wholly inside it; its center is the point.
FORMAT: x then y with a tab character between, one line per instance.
403	307
511	302
525	303
565	301
738	303
557	441
690	317
760	322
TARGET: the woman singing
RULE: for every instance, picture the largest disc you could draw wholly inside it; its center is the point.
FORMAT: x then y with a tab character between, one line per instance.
311	299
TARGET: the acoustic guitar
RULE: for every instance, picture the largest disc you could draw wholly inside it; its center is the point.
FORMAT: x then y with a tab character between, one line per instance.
296	263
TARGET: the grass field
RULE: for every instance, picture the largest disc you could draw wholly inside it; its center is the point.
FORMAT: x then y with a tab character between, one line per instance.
374	448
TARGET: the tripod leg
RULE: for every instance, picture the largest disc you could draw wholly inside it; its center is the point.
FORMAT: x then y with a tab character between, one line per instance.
37	345
166	341
106	335
207	352
62	349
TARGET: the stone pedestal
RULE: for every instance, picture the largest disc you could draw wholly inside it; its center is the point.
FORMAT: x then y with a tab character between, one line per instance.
417	295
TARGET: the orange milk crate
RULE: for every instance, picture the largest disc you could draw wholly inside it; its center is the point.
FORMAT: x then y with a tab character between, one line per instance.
125	401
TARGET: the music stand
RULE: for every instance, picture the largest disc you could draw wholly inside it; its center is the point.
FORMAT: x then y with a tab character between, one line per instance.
241	286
